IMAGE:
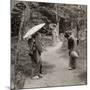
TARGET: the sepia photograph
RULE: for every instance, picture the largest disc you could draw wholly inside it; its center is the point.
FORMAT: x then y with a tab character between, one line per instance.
48	44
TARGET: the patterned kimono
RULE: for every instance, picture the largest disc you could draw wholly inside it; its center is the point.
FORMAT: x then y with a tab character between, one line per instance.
35	53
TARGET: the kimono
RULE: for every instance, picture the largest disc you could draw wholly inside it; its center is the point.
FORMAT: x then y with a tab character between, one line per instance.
72	45
35	53
38	49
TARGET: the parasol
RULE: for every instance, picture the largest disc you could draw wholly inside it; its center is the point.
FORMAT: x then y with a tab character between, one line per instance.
33	30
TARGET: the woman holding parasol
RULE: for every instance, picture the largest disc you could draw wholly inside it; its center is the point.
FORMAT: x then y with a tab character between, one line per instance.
34	43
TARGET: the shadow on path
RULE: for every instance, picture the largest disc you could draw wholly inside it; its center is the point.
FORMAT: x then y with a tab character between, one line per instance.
47	67
83	76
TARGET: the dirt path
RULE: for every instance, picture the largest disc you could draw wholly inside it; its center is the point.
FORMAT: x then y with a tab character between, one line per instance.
58	74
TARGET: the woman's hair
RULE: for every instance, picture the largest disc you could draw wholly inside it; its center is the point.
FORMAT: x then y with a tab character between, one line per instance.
67	34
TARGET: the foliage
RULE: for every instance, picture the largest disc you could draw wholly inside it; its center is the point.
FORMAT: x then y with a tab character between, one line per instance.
37	12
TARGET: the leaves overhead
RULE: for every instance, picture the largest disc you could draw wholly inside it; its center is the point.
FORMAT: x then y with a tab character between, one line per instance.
37	12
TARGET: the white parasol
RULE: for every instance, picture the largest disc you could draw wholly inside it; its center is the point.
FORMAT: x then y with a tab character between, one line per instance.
33	30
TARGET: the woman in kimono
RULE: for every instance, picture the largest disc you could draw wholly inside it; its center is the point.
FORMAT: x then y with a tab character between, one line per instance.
72	47
35	53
